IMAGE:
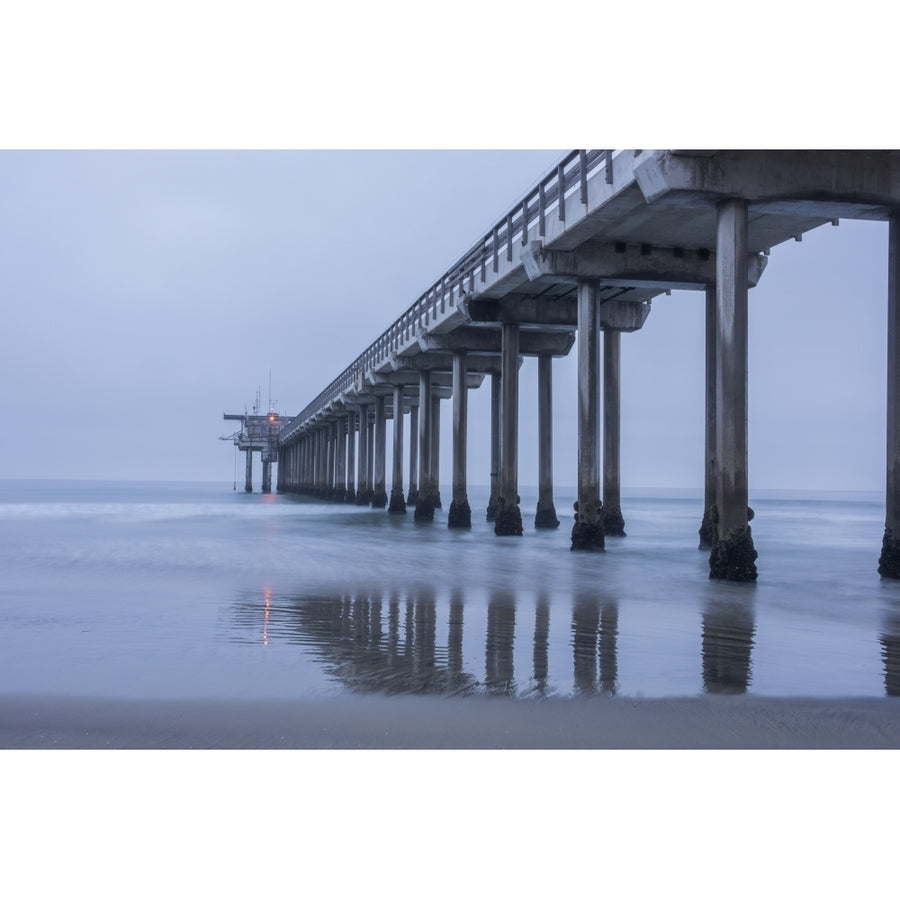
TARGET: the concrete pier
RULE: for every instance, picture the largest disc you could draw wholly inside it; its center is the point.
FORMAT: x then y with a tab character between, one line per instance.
707	530
613	522
425	505
412	498
509	517
460	515
397	504
589	248
266	477
494	500
248	481
545	515
889	562
587	532
363	497
379	486
733	557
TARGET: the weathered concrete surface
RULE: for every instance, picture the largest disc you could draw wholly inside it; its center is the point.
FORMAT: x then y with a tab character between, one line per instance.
587	532
509	517
545	515
351	456
434	476
363	493
629	264
412	498
823	184
460	514
707	530
508	520
889	563
732	557
425	501
248	481
340	450
613	522
397	504
379	487
494	500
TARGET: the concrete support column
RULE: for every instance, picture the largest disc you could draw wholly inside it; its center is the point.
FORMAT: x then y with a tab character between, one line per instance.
350	496
370	462
732	556
509	516
425	504
318	460
266	477
331	460
707	530
308	448
362	494
460	515
379	493
435	456
545	516
494	501
340	473
587	532
889	562
613	523
398	504
248	481
323	462
413	497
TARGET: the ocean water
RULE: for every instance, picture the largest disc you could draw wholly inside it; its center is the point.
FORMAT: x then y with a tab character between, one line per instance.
162	590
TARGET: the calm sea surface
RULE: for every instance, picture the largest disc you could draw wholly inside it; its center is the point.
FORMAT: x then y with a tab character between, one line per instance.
137	589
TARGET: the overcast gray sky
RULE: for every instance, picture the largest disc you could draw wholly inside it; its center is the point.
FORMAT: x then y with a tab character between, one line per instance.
144	293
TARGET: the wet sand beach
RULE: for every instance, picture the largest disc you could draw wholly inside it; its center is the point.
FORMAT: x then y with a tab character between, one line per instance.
721	722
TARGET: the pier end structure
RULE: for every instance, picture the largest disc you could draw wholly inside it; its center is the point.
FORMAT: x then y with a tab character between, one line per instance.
257	434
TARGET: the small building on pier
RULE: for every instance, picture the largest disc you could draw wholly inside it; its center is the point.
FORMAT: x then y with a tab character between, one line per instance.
257	433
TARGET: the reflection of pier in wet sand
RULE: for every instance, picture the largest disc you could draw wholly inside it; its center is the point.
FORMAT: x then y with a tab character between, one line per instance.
412	642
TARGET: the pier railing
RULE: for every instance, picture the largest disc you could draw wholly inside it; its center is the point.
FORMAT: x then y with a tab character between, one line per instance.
554	195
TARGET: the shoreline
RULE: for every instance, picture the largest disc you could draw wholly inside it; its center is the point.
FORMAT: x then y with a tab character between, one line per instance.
742	722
